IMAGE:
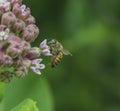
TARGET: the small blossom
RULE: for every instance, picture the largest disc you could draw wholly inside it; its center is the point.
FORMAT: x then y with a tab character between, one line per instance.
4	34
36	66
43	44
4	5
21	11
46	52
25	12
45	48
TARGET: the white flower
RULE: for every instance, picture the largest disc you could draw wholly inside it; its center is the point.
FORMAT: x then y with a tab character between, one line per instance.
23	7
4	34
45	48
4	4
36	66
25	10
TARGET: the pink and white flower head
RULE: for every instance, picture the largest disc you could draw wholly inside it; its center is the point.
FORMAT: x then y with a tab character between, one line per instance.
45	48
4	34
4	5
37	66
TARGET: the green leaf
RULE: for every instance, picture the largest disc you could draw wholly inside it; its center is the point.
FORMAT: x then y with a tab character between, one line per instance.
32	86
26	105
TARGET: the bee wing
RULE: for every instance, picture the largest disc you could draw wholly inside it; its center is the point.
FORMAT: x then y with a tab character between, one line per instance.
66	52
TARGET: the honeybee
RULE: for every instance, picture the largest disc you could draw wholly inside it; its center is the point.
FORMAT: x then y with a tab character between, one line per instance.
57	52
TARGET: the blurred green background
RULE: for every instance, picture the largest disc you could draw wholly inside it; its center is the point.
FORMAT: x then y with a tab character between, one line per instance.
90	79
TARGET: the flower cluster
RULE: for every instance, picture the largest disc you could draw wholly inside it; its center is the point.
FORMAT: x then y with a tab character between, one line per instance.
17	31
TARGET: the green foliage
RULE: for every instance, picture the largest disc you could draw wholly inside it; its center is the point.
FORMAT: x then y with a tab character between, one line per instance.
26	105
32	86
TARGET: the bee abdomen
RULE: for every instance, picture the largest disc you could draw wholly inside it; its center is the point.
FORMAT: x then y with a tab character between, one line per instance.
56	61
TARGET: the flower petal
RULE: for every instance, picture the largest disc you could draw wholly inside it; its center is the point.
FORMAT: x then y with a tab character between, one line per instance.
36	61
35	70
46	52
40	66
43	44
23	7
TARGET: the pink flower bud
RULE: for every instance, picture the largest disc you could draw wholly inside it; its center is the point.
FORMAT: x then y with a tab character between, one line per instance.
14	50
16	2
28	34
19	25
25	46
14	39
34	28
33	53
8	19
30	20
16	9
